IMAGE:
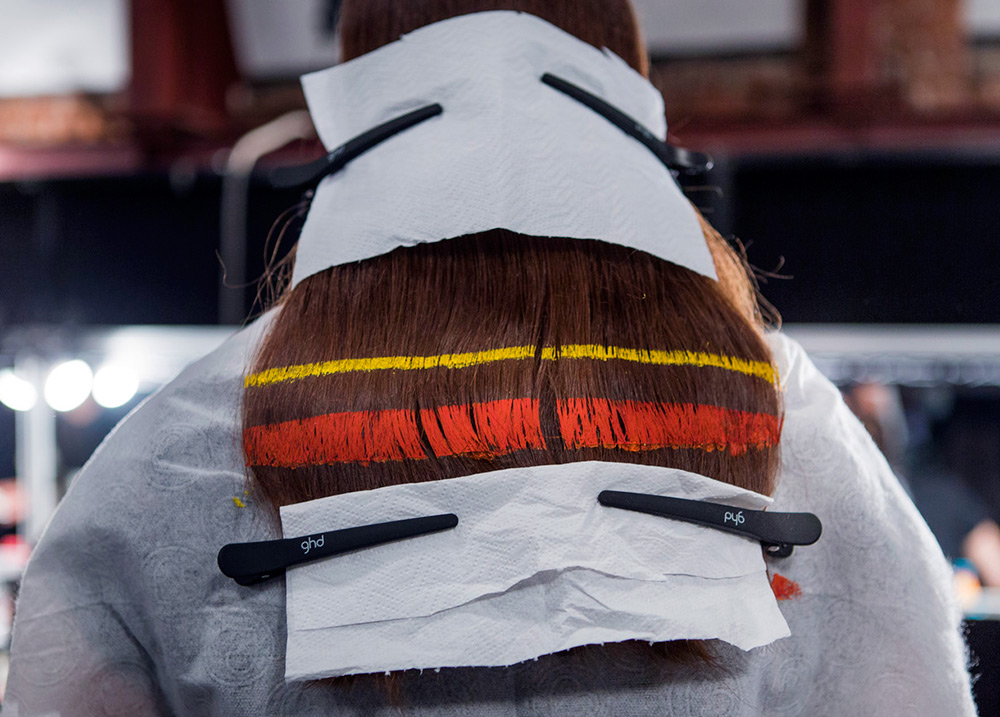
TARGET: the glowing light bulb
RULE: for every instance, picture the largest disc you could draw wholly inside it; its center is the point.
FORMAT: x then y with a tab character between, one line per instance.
115	386
68	385
16	393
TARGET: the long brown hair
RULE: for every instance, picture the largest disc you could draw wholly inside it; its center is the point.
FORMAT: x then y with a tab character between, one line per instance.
497	350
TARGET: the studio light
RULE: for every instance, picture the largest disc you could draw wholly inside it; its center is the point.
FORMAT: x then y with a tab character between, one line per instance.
115	385
68	385
16	393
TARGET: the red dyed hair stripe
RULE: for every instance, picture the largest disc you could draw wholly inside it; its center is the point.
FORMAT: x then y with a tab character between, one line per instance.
631	425
488	429
478	429
498	427
359	436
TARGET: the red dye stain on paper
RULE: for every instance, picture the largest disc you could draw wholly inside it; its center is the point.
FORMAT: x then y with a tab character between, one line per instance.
783	588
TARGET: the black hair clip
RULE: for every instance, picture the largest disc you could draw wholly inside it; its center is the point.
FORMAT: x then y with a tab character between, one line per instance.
777	532
675	158
334	161
250	563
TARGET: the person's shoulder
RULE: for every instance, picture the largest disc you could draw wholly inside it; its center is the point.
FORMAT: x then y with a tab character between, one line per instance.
831	466
875	589
168	480
128	561
798	375
189	428
826	451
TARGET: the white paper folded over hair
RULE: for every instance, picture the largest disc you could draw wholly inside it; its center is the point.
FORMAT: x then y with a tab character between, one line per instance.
507	152
535	566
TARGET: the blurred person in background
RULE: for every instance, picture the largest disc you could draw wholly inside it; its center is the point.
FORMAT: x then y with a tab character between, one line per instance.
957	514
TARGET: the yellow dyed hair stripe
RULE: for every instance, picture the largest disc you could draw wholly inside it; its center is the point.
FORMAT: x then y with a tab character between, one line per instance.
392	363
761	369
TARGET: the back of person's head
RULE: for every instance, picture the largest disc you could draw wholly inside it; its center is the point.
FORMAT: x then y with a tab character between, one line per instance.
366	25
498	350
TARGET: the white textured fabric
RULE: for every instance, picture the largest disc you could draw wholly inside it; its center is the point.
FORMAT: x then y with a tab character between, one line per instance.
123	610
535	554
508	152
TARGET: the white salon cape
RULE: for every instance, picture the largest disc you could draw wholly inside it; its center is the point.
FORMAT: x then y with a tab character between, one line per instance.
123	610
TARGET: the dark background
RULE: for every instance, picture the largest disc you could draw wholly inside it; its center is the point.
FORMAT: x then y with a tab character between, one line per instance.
879	239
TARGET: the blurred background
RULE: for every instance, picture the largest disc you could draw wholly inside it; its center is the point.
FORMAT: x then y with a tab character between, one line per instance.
857	157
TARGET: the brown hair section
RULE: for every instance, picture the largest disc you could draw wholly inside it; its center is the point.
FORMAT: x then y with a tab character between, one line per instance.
494	290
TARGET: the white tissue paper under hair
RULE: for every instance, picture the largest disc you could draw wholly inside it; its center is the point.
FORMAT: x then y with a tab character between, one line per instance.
535	566
507	152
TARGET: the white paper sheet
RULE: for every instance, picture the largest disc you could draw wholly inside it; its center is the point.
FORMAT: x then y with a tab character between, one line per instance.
507	152
535	566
